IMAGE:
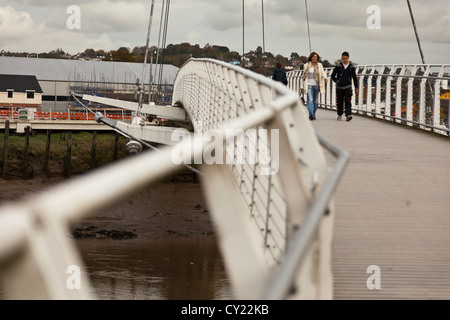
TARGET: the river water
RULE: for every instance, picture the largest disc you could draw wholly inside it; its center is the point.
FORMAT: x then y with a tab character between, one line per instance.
174	256
155	269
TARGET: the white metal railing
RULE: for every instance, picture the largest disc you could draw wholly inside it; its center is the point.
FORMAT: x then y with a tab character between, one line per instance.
265	208
415	95
270	202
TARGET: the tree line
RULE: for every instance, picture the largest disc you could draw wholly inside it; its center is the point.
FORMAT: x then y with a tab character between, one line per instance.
177	54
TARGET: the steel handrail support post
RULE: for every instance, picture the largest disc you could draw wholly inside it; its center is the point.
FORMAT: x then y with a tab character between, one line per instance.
360	89
323	95
378	90
409	99
437	99
329	91
389	78
333	92
398	94
423	90
369	91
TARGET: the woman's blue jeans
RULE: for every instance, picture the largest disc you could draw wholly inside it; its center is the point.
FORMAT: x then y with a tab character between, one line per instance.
312	103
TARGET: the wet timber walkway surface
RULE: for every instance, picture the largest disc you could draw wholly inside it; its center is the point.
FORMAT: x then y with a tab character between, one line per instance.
392	210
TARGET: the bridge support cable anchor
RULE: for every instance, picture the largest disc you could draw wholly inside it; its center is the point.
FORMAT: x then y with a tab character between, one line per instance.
134	147
100	118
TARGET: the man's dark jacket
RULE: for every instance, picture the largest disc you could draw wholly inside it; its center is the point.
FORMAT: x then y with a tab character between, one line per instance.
343	77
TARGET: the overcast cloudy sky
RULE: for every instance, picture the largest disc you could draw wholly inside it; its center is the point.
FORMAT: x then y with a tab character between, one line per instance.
335	25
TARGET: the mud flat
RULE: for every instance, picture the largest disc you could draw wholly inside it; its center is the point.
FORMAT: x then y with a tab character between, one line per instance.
157	244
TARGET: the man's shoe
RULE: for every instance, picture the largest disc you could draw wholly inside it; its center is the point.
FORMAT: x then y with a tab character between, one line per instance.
311	118
339	117
349	118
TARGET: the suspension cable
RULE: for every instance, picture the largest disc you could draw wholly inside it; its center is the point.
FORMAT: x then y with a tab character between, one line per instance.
166	22
307	22
415	31
264	38
243	34
159	41
142	88
432	97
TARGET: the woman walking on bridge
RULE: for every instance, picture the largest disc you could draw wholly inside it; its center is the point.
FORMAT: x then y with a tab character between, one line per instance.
314	79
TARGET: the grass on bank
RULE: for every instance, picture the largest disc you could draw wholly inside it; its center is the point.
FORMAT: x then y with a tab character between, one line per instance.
81	150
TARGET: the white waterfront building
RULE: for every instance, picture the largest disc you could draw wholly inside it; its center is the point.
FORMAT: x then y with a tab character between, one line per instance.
57	77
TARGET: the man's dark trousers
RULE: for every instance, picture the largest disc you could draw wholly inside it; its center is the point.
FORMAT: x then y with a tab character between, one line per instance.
344	99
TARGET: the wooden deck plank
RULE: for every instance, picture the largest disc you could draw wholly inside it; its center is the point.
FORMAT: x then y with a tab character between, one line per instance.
392	209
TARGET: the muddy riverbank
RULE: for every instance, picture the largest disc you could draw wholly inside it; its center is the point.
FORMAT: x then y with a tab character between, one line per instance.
157	244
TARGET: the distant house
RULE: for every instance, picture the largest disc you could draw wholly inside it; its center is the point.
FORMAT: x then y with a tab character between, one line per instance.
20	91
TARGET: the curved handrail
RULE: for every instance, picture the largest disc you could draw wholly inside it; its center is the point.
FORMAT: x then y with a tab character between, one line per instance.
289	194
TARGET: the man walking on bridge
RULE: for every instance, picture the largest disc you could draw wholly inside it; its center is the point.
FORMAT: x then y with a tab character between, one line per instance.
342	75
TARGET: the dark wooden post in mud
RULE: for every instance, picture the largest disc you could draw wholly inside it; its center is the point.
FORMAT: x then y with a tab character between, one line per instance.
93	150
68	167
116	145
47	153
5	151
25	171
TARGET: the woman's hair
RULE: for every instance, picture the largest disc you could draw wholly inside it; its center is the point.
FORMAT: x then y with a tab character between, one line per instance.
312	55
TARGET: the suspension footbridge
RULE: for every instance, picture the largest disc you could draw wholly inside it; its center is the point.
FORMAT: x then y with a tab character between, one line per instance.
305	213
